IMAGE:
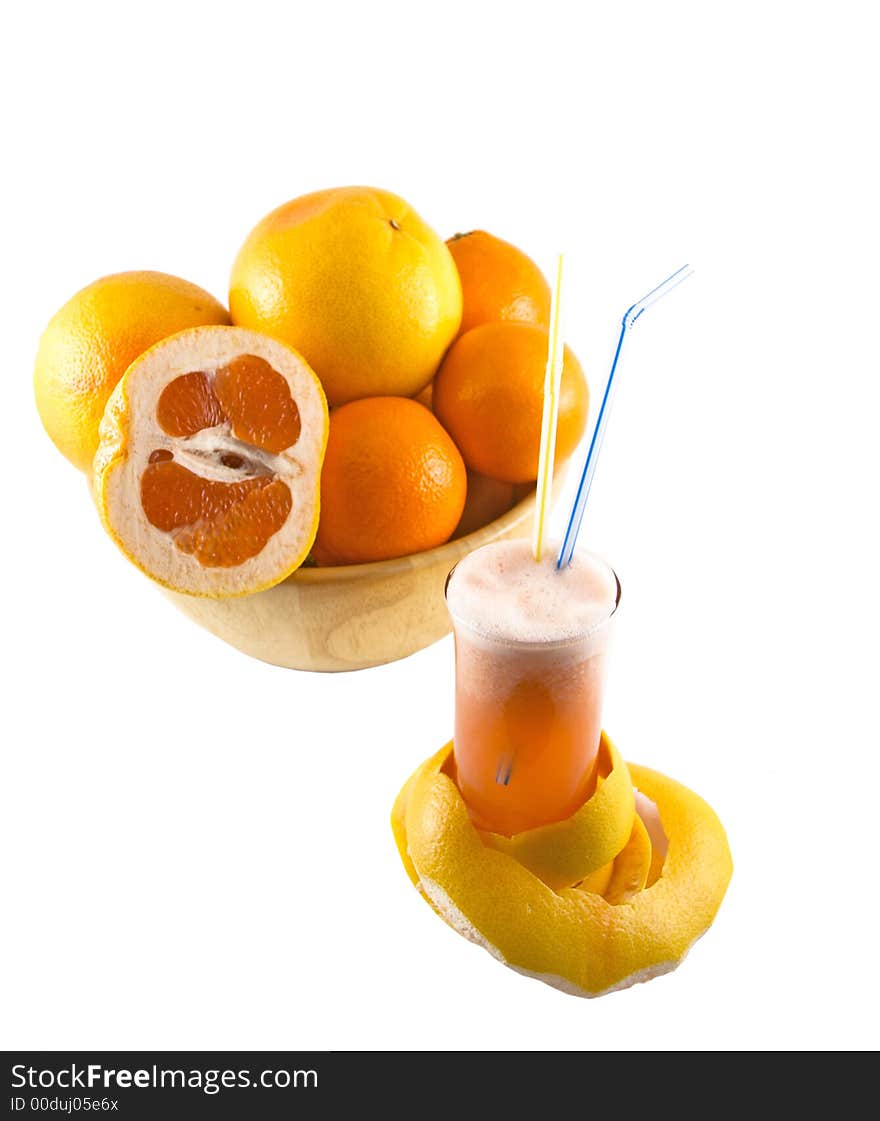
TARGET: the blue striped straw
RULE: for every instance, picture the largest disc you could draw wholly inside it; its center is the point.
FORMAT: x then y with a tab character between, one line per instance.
566	550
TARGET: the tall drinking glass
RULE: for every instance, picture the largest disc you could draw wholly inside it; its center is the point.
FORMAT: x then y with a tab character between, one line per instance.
531	647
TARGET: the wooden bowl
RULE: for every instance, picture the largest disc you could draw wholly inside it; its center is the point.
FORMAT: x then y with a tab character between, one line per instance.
353	616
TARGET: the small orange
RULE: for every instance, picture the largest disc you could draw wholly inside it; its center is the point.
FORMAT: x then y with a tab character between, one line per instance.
393	482
89	343
498	282
489	395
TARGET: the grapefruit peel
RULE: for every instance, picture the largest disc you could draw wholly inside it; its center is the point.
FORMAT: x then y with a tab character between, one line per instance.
603	934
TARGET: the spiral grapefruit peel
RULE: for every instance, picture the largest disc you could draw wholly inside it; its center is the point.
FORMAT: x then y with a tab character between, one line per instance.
589	905
207	474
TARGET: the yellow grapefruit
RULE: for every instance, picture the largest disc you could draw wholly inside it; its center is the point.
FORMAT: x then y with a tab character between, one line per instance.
90	342
358	283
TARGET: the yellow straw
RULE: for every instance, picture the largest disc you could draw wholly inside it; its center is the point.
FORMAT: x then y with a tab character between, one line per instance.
552	378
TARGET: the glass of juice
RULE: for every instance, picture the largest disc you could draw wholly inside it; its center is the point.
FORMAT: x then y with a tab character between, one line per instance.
530	654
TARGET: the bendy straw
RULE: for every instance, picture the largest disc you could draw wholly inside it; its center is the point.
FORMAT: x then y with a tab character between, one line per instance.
566	550
552	379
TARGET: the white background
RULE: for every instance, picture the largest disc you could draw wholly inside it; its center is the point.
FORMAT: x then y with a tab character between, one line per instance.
196	848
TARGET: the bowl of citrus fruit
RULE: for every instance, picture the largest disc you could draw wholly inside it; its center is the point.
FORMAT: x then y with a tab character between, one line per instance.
300	469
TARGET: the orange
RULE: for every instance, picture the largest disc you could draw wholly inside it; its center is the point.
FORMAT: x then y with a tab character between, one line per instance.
89	342
498	281
207	471
358	283
489	395
393	482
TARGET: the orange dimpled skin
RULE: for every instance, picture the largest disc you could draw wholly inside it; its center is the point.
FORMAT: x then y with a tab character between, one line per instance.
393	482
489	395
498	282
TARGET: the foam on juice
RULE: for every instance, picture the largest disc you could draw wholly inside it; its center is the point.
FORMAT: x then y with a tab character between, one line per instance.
502	593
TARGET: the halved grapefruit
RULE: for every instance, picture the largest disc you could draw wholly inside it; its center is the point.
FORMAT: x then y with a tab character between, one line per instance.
208	467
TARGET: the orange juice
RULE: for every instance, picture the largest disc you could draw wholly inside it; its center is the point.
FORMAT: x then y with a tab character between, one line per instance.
530	654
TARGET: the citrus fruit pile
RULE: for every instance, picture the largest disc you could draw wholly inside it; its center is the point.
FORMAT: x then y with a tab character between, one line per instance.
613	895
371	392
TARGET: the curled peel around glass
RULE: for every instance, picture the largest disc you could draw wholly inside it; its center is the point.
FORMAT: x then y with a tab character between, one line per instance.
627	921
564	853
